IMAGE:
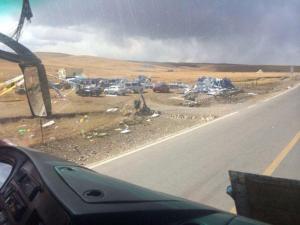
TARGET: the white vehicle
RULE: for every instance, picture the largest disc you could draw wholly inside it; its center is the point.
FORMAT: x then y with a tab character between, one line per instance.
115	90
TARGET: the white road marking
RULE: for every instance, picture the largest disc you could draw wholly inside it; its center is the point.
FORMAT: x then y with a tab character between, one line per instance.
282	93
185	131
168	137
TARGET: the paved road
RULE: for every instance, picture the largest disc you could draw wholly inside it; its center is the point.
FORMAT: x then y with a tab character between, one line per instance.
195	164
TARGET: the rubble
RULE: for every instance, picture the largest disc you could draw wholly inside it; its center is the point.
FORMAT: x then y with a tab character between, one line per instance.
155	114
208	86
213	86
22	131
48	124
112	110
84	119
126	131
190	103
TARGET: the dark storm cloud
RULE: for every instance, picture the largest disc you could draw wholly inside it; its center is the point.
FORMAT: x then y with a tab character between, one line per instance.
227	30
173	18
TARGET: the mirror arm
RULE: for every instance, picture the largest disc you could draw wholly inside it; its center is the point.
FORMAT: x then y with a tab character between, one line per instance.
25	58
24	54
9	56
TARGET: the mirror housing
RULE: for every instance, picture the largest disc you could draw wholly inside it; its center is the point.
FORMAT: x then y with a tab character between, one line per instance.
37	91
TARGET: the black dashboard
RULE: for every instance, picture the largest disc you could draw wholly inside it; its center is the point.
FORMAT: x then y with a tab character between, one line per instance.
25	199
41	190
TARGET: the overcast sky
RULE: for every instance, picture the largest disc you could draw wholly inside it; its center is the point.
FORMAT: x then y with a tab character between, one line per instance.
227	31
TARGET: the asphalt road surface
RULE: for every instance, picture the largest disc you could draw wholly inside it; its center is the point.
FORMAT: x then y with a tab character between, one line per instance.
195	164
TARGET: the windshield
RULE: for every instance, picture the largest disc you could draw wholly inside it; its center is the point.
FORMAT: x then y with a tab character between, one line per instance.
169	95
5	170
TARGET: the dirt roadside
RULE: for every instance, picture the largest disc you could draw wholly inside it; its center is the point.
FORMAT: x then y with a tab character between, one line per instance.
104	142
82	130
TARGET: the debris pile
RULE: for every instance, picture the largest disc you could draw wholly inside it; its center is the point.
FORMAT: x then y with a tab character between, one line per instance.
213	86
208	86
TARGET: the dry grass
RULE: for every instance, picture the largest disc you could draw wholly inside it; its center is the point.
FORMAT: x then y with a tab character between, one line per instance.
101	67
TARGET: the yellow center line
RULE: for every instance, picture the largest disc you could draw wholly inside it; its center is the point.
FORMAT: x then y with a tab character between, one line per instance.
272	167
279	158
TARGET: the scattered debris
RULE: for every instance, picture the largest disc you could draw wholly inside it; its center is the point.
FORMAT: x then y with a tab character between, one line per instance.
126	131
112	110
83	119
210	118
190	103
190	96
102	134
48	124
252	94
142	110
155	114
22	131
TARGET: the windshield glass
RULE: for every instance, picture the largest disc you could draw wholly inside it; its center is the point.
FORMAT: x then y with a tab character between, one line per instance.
5	170
169	95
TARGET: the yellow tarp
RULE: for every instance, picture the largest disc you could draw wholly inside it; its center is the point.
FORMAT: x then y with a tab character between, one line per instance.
6	90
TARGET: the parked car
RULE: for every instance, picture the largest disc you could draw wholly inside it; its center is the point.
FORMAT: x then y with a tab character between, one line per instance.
134	87
89	90
148	85
161	87
115	90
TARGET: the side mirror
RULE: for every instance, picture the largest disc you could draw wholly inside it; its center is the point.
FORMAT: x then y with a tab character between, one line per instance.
35	79
37	90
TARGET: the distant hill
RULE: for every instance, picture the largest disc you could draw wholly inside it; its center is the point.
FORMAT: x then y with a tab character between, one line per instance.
103	67
223	67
